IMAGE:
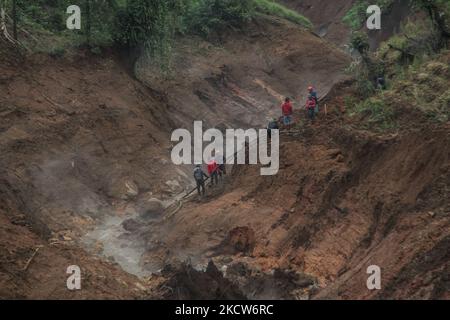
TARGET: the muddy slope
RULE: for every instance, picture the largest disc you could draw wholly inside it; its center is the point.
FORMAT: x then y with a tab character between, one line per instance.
327	18
241	80
344	200
83	143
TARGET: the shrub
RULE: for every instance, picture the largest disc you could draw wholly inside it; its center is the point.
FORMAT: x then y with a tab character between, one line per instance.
377	112
360	42
275	9
205	16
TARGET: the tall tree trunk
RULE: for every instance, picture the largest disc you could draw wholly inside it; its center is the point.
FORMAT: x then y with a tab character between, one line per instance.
14	17
438	20
88	22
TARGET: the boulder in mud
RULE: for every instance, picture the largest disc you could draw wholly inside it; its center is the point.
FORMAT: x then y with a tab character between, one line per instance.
183	282
131	225
278	284
241	239
150	209
124	189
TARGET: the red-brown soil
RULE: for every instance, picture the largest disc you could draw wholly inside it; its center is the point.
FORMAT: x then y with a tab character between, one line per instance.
84	144
344	199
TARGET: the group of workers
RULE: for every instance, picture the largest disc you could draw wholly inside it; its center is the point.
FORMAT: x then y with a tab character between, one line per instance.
312	108
217	168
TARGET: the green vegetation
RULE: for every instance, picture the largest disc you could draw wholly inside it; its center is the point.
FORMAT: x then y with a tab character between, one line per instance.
204	17
146	25
413	62
273	8
420	86
376	111
360	42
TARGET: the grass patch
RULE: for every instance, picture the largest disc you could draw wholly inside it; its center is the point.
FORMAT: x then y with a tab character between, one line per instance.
376	111
273	8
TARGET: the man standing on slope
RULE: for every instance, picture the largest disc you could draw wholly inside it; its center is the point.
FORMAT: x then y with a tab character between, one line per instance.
313	93
287	111
311	108
273	125
213	170
199	176
222	170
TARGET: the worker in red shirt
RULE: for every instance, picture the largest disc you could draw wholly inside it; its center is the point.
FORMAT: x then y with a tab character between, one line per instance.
287	111
311	107
213	170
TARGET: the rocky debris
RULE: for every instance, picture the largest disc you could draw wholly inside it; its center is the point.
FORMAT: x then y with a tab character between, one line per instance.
240	240
123	189
183	282
277	284
131	225
173	186
150	209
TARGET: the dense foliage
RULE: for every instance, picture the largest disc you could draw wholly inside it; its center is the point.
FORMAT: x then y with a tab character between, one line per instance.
150	25
414	64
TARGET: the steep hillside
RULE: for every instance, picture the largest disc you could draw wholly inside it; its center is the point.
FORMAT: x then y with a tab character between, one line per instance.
329	22
85	146
86	177
241	82
326	16
345	199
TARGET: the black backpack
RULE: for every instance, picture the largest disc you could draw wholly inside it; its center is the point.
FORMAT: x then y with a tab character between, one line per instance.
198	173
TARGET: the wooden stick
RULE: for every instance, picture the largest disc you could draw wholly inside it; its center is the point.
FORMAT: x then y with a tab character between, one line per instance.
31	258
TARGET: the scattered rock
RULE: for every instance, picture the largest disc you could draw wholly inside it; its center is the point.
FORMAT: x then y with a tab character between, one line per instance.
131	225
192	284
242	239
151	209
340	158
124	189
173	186
140	286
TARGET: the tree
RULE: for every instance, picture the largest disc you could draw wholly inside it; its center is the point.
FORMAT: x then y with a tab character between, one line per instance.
88	21
3	24
438	11
14	18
